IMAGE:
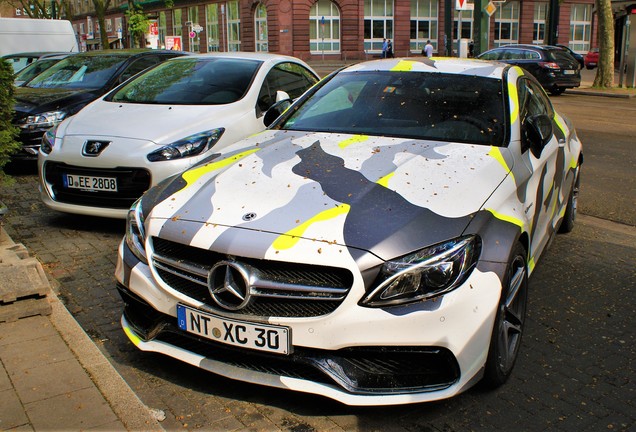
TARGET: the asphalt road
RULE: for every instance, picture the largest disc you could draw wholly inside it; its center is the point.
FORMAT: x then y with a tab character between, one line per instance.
576	366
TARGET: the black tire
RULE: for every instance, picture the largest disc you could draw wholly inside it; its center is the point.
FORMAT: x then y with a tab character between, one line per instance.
556	91
505	340
567	224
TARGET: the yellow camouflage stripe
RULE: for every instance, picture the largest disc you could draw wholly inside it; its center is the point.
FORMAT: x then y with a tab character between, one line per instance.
291	237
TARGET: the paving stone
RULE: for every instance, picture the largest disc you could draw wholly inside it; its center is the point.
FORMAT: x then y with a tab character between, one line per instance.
15	332
50	380
80	409
34	353
11	411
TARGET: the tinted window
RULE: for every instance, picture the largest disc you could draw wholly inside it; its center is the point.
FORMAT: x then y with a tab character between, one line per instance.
137	66
191	81
79	72
291	78
434	106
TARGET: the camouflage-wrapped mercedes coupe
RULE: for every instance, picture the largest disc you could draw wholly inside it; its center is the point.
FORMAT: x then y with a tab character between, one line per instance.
373	245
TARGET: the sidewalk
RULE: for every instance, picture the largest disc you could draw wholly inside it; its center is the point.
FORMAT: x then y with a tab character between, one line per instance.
51	373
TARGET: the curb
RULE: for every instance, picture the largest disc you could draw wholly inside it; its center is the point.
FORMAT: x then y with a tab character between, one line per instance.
124	402
601	93
127	407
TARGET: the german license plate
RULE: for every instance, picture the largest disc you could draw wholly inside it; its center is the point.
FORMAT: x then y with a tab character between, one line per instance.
569	72
91	183
262	337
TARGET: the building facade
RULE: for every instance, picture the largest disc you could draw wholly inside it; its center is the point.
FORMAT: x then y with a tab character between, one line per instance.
340	29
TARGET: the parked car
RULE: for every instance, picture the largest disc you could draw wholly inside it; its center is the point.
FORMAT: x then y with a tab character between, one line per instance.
37	67
372	246
68	86
579	57
162	122
21	60
555	69
591	58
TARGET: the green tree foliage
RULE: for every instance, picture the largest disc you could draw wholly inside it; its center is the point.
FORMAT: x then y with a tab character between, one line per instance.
8	132
138	24
48	9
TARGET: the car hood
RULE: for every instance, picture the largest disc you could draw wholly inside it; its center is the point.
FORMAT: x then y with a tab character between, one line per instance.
387	196
37	100
160	124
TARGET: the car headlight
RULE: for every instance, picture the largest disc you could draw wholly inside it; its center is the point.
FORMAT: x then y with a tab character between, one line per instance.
44	120
186	147
425	274
135	236
48	140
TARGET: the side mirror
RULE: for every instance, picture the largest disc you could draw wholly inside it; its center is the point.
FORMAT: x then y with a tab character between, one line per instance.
281	95
276	110
537	131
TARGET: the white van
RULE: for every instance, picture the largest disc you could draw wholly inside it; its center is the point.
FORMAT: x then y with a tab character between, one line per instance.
18	35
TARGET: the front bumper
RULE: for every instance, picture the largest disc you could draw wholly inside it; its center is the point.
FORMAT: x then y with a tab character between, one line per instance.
358	356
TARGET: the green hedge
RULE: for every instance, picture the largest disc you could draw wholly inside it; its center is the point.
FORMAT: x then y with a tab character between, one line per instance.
8	132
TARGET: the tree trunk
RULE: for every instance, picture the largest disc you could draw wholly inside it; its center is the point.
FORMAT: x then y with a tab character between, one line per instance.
605	72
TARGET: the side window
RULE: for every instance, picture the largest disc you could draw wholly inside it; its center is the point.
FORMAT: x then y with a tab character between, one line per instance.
137	66
291	78
531	100
493	55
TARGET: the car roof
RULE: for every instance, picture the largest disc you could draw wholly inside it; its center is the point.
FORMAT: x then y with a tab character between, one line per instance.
247	55
38	54
449	65
129	52
529	46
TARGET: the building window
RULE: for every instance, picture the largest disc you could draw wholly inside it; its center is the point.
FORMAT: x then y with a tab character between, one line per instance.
378	24
507	24
109	25
423	24
466	24
176	23
580	27
538	31
193	19
212	26
233	26
118	27
324	28
260	28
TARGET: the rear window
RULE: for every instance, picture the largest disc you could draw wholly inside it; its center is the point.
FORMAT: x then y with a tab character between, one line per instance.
191	81
430	106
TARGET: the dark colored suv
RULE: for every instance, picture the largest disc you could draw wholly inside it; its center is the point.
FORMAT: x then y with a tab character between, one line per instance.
72	83
553	66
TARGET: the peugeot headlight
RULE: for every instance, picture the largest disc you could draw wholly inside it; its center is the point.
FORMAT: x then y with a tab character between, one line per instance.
135	237
48	140
44	120
186	147
424	274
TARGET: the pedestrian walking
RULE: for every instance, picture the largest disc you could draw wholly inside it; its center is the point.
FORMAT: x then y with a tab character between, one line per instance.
389	49
428	49
385	47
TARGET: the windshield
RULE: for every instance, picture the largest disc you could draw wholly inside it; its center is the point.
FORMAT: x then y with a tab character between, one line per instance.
431	106
81	72
34	69
191	81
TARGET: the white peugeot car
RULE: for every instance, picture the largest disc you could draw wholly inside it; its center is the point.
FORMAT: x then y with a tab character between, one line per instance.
102	159
372	246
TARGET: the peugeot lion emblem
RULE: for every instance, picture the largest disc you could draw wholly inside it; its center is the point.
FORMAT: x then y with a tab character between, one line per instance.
229	286
94	148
